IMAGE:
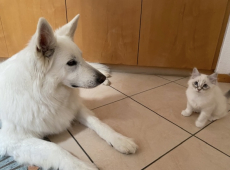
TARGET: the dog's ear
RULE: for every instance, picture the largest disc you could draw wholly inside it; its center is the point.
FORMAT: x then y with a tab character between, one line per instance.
46	40
69	29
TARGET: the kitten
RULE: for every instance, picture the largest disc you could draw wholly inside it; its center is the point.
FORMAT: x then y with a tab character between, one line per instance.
204	96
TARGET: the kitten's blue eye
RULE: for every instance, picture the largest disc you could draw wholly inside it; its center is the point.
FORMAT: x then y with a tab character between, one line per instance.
205	85
196	83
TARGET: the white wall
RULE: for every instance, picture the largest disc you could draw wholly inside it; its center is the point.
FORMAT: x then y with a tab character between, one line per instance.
223	65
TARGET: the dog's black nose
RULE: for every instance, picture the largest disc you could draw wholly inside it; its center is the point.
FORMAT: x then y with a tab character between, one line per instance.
100	78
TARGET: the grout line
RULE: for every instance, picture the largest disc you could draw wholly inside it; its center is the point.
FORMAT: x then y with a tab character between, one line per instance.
166	153
66	13
180	85
155	112
80	146
212	146
151	89
168	79
119	91
138	45
161	116
192	135
174	81
109	103
203	128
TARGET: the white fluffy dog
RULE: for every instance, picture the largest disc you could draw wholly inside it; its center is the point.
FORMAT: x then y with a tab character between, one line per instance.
37	98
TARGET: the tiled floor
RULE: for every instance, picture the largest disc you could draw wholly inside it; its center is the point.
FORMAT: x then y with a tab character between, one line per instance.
148	109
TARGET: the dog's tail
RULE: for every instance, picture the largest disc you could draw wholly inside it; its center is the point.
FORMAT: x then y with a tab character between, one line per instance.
227	94
103	69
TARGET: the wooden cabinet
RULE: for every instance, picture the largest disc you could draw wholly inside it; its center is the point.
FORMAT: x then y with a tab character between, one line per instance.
19	20
180	33
108	30
159	33
3	48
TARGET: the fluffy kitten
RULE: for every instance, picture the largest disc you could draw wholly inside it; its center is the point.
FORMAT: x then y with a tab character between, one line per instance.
204	96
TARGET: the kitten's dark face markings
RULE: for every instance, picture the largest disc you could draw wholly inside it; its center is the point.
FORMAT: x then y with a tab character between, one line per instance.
200	85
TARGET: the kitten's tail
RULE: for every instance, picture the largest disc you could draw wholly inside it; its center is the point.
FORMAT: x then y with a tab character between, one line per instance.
227	94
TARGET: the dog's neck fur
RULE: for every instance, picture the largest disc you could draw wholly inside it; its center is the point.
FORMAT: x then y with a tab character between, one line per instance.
46	92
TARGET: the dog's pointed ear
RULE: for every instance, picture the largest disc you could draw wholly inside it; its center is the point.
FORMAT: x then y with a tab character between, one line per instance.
213	78
46	40
70	28
195	73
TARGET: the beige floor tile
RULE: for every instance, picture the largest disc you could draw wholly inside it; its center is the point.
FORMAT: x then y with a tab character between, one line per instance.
131	84
153	134
99	96
169	100
218	134
65	141
192	155
171	78
183	82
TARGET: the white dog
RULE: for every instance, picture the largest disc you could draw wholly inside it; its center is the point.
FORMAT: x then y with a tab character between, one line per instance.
37	98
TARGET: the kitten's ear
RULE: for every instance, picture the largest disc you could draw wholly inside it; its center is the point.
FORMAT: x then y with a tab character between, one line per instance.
195	73
213	78
46	41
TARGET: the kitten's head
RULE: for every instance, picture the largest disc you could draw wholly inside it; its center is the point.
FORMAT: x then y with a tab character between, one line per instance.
202	83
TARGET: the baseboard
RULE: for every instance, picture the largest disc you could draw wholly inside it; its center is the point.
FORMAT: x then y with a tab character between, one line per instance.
224	78
154	70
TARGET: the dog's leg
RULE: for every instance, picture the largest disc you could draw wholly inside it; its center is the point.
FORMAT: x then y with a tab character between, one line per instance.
118	141
34	151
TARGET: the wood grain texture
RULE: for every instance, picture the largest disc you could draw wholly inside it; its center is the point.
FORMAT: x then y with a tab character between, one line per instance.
180	33
108	30
20	17
3	48
221	37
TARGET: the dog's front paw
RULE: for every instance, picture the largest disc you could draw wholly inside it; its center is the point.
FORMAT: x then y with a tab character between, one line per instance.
124	144
200	124
184	113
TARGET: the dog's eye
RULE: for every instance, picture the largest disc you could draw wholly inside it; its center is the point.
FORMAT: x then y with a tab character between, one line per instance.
71	63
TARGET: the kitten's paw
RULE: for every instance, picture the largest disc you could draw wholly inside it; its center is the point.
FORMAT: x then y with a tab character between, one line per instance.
200	124
212	118
184	113
124	144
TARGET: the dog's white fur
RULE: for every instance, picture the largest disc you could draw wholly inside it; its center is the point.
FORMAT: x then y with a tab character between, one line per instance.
37	99
209	101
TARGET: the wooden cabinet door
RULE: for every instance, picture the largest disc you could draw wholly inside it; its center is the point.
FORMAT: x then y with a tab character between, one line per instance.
3	48
19	19
108	30
180	33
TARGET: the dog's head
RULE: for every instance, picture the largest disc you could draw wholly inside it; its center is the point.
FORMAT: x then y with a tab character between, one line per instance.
57	52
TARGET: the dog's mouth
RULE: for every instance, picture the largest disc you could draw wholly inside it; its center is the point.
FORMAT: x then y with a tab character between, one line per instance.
74	86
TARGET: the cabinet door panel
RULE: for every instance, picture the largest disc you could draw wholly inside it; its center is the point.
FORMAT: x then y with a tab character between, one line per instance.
108	30
3	49
20	17
180	33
